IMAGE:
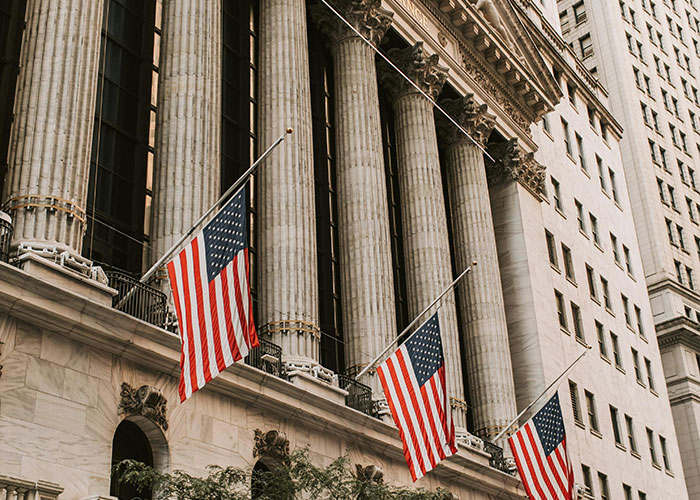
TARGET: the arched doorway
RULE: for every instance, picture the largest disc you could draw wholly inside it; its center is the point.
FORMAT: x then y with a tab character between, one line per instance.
258	479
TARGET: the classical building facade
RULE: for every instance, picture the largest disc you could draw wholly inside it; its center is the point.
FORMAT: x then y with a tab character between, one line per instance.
647	54
130	118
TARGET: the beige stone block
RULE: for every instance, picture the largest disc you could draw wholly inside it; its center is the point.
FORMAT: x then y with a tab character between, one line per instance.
18	403
80	388
26	438
85	454
10	463
100	365
73	480
98	486
200	428
181	454
99	426
245	445
207	454
225	435
65	352
28	339
108	398
213	405
45	376
13	372
59	413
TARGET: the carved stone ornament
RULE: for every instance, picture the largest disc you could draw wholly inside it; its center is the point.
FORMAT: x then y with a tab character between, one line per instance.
421	68
271	444
372	473
366	16
472	117
513	164
488	10
147	401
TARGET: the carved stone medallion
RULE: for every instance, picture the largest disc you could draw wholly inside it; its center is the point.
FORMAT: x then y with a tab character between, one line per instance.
370	473
271	444
147	401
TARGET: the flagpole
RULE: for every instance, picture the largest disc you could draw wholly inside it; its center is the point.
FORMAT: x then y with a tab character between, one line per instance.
393	342
243	178
556	380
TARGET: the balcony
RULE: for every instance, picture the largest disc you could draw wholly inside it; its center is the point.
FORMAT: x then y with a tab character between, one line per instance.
497	460
359	395
267	357
13	488
6	231
138	299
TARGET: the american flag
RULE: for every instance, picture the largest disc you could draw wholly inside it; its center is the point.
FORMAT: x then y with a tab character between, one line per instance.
539	448
413	378
211	291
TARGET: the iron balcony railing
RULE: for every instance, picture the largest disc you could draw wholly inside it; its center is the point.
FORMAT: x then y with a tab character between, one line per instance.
267	357
497	460
6	231
359	395
138	299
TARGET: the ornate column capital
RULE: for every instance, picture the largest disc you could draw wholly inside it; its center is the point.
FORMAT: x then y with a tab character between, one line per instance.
367	16
473	117
511	163
418	66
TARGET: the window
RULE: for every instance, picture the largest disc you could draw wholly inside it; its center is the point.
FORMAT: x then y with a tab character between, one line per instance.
571	92
664	159
590	408
587	481
642	495
679	271
689	275
681	171
662	191
564	21
575	407
691	209
567	141
568	263
669	232
628	491
581	156
590	277
630	434
697	246
626	310
654	156
578	323
672	197
650	376
579	216
603	482
614	419
602	347
591	116
561	312
628	259
579	13
691	177
601	174
640	51
645	114
681	236
664	453
640	325
616	350
652	447
606	293
556	195
637	369
586	45
594	228
545	124
551	249
615	249
613	185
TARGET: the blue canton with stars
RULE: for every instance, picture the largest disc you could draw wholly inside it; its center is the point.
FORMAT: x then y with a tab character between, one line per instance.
425	350
225	235
550	425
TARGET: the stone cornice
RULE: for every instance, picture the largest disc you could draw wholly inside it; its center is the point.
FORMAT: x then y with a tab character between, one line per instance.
366	16
679	330
472	117
665	283
511	163
421	68
64	312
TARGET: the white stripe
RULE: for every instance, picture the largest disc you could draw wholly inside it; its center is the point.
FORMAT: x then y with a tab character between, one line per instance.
192	296
535	465
183	324
435	382
221	319
235	319
557	467
399	412
243	281
520	453
549	472
206	305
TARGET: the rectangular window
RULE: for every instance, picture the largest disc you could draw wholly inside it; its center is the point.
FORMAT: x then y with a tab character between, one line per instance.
585	44
603	482
579	216
681	236
568	263
575	407
689	275
613	185
615	249
594	228
578	322
628	491
590	277
664	453
606	293
652	446
616	350
587	481
630	433
626	309
581	156
579	13
672	197
628	260
662	191
640	324
679	271
551	249
601	174
567	141
637	369
615	420
556	195
670	233
600	332
590	408
691	209
561	312
650	375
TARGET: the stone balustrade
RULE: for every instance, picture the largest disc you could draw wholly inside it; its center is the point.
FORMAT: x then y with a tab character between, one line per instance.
13	488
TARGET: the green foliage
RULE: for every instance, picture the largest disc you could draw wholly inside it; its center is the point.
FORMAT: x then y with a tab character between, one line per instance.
296	478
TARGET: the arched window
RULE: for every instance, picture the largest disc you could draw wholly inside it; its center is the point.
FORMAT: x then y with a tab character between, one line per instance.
130	442
258	479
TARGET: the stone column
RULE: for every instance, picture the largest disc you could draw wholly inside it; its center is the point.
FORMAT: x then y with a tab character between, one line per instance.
426	240
367	285
485	334
50	142
287	263
187	164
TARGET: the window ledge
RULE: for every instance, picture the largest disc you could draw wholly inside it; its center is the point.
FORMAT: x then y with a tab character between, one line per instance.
565	330
555	268
597	245
635	454
622	447
595	299
584	233
656	466
610	311
572	281
641	384
596	433
605	358
668	472
620	369
560	212
579	424
582	342
654	392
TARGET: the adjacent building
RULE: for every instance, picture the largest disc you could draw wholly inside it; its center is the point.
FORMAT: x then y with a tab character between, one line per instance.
130	118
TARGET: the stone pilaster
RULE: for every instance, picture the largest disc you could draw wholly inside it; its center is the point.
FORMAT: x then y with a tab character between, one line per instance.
485	334
50	142
187	168
287	263
367	286
426	240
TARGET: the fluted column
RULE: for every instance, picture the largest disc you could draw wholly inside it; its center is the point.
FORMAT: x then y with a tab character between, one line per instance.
188	123
286	211
367	286
426	240
485	334
51	135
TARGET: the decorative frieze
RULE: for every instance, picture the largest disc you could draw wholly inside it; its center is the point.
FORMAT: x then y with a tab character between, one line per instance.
366	16
511	163
147	401
271	444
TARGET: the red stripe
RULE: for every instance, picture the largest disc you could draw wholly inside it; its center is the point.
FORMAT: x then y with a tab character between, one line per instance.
214	305
557	477
410	424
188	312
541	465
235	353
200	310
239	301
530	466
445	408
432	419
395	415
416	409
252	333
176	298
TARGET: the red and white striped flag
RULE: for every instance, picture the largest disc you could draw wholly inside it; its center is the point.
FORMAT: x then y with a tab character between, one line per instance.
209	279
539	448
413	378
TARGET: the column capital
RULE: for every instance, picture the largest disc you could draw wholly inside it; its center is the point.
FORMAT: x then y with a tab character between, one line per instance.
473	117
367	16
418	66
511	163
